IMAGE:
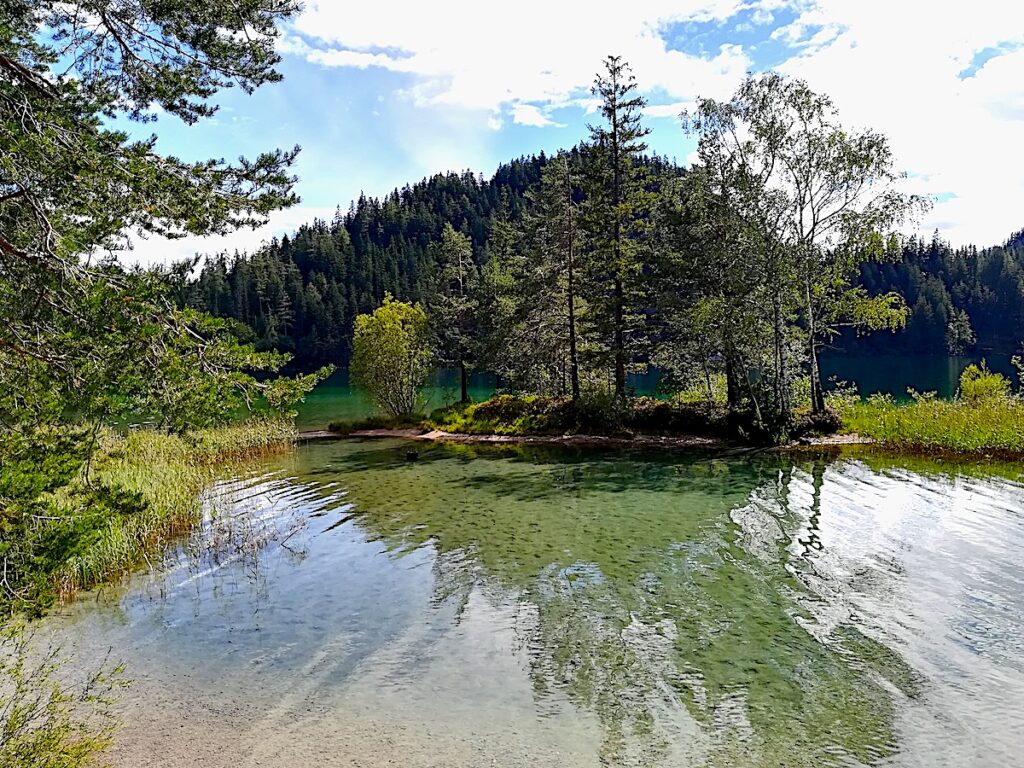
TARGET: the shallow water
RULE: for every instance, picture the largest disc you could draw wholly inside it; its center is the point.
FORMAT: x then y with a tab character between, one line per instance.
495	606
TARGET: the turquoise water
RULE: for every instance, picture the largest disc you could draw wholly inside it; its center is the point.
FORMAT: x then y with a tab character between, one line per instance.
336	400
511	607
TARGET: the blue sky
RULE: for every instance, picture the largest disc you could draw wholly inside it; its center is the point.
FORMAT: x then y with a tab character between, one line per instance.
381	95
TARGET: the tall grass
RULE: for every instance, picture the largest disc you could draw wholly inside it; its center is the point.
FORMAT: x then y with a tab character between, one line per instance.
985	418
959	426
155	482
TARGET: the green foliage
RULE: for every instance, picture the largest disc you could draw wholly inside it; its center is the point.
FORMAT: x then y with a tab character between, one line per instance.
70	520
615	217
46	722
795	202
78	334
989	426
978	384
83	342
959	300
348	426
533	308
595	412
454	303
391	356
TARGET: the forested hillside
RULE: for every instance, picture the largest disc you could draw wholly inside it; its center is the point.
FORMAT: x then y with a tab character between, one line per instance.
962	300
301	294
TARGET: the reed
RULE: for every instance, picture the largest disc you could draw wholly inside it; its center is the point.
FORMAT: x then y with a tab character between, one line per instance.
985	418
152	484
993	426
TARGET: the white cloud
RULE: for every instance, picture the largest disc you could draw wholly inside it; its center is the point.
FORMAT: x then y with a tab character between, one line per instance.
895	66
892	65
161	250
672	110
455	49
528	114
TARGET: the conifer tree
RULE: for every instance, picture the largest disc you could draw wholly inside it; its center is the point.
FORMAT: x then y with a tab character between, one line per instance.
454	302
616	203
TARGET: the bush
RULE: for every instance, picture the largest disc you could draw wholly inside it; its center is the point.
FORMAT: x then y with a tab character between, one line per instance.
44	721
391	356
978	383
828	422
408	421
595	413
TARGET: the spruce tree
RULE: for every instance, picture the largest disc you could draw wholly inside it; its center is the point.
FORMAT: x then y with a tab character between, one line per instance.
616	203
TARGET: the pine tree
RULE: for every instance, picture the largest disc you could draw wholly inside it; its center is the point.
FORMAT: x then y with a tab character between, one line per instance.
616	203
453	303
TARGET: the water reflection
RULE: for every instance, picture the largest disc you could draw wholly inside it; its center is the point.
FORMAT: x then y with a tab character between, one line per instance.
687	609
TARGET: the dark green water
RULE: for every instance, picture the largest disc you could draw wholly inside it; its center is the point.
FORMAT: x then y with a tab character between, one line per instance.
336	400
498	607
924	373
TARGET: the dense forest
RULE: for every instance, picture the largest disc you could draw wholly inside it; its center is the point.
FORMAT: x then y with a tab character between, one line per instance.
963	300
301	294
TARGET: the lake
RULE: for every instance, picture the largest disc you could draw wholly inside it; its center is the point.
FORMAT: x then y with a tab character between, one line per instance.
335	399
487	606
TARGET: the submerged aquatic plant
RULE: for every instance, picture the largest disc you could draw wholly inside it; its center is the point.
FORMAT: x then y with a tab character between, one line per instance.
46	721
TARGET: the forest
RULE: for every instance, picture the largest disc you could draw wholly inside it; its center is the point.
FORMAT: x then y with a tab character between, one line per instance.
301	293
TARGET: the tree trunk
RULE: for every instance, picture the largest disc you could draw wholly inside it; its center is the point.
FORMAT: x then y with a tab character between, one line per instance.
817	392
734	393
620	342
464	381
780	385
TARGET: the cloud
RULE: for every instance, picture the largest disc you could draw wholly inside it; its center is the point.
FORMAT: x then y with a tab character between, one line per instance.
896	67
944	83
452	49
528	114
672	110
152	250
893	66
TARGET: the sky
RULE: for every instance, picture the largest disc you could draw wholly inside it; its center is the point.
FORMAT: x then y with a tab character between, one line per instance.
381	94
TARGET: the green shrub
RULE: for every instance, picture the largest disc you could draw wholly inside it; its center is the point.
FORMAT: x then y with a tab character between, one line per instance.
391	356
595	413
978	383
347	427
46	722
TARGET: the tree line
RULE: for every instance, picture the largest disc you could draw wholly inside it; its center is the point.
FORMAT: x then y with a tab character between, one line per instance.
569	271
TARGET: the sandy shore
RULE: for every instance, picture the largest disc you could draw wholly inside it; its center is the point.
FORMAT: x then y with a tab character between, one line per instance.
437	435
633	441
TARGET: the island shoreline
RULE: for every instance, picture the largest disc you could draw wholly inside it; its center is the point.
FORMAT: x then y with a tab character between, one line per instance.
674	442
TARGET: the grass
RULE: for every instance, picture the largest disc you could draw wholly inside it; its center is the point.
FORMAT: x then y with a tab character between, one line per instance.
991	426
150	484
348	426
593	414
